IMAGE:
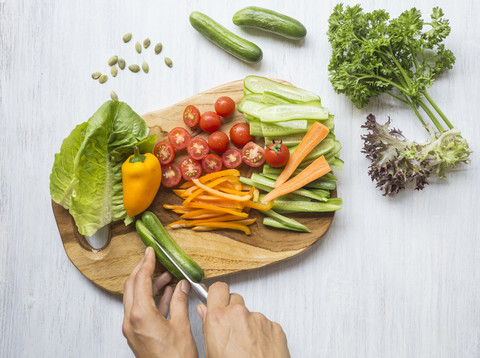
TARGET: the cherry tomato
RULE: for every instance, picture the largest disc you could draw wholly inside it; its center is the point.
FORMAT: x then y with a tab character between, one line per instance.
240	134
171	175
277	154
232	158
190	168
253	155
224	106
212	163
218	142
164	152
191	116
197	148
210	122
178	138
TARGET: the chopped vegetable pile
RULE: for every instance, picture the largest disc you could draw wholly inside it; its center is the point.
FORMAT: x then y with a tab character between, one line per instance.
373	54
216	201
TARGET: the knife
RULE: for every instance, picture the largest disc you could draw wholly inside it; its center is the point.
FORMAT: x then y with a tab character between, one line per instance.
199	288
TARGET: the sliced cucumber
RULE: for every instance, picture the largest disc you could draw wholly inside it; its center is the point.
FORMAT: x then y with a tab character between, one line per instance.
270	97
289	223
298	123
288	112
257	84
288	206
256	129
248	105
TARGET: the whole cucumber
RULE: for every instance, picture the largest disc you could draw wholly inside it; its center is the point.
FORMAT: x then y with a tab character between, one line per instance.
270	21
150	227
226	40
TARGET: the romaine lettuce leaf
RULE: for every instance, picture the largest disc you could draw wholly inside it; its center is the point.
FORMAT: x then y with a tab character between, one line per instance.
86	177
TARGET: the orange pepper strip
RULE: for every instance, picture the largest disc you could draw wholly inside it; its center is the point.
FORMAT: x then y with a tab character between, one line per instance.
203	228
259	206
211	176
224	225
173	207
222	204
244	221
217	208
181	211
201	190
256	194
179	192
230	218
230	190
178	224
222	194
201	214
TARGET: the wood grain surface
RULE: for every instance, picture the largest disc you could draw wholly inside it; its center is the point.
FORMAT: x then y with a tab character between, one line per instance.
219	252
392	278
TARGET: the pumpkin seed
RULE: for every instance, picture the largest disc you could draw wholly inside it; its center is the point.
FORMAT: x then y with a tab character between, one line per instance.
103	78
146	43
112	60
96	75
145	67
158	48
138	47
127	37
168	61
134	68
121	63
114	96
114	71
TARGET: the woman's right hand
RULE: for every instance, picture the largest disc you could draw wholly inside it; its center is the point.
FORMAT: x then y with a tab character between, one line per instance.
230	330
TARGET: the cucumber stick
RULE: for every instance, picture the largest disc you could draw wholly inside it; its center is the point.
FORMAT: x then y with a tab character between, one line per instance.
226	40
289	206
151	229
258	84
270	21
283	221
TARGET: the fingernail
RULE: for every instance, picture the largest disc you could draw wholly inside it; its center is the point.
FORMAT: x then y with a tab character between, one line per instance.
146	250
185	286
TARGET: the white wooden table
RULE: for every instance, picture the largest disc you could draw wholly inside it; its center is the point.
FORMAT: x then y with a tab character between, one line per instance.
392	278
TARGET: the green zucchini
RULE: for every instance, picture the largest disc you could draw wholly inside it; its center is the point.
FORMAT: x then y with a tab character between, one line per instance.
270	21
226	40
150	228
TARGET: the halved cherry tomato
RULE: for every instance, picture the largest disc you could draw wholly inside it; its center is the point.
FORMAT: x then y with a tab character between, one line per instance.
240	134
178	138
212	163
210	122
190	168
232	158
191	116
197	148
277	154
253	155
224	106
171	175
218	141
164	152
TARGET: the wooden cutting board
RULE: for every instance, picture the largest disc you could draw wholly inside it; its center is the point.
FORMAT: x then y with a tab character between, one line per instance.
219	253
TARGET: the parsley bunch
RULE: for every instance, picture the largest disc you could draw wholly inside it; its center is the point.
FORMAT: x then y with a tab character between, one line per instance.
373	54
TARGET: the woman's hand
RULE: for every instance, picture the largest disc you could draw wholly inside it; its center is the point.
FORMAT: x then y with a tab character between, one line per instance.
230	330
148	331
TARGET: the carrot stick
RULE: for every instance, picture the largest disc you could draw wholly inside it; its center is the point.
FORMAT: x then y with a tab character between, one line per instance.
314	136
314	171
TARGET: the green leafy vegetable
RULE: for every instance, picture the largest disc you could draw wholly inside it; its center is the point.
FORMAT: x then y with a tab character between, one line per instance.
397	161
86	176
373	54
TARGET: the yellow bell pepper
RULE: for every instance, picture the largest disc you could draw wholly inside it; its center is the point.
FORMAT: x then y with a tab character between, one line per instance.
141	179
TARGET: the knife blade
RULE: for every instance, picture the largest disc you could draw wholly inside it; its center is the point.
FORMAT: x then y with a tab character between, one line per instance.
199	288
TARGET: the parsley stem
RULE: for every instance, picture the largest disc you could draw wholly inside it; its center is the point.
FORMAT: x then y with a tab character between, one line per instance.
410	103
439	111
398	98
431	115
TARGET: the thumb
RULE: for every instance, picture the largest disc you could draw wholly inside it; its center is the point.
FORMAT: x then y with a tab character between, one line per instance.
179	302
202	311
